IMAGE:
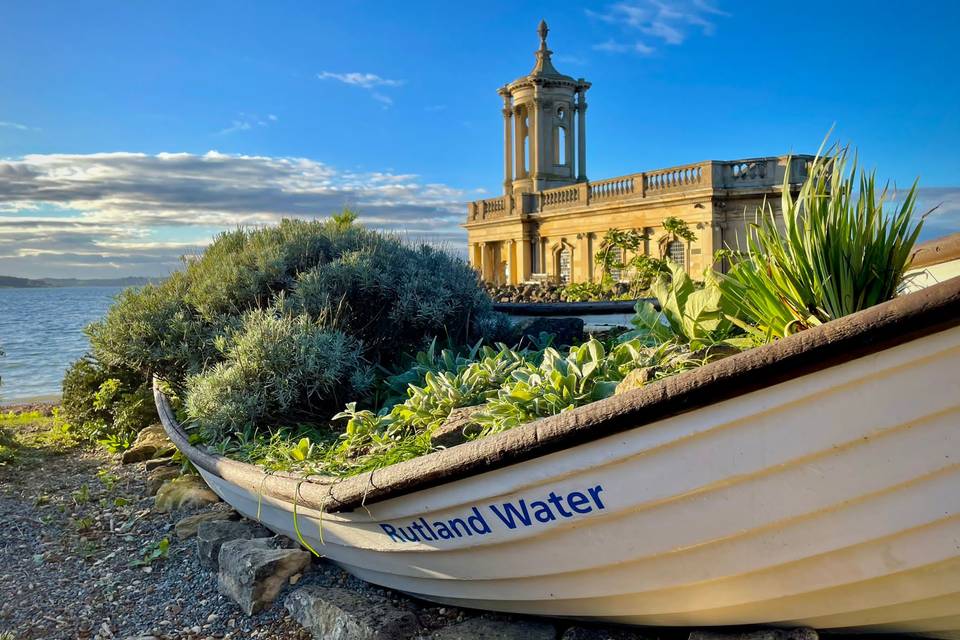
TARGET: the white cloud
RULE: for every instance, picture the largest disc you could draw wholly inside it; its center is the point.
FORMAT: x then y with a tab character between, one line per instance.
247	121
141	212
6	124
670	23
367	81
613	46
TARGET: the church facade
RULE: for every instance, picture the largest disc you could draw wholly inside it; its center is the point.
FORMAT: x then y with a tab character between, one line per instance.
548	223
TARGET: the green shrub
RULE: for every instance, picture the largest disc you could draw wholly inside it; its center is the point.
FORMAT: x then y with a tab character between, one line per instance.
837	252
276	368
274	326
109	405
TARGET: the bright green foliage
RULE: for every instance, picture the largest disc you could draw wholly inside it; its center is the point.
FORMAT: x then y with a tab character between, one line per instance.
429	405
614	246
510	387
688	314
395	386
678	228
839	251
584	292
153	552
558	383
612	258
8	446
106	404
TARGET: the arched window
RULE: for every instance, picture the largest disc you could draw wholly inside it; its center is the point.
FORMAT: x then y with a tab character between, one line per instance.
616	257
565	264
560	146
677	252
560	138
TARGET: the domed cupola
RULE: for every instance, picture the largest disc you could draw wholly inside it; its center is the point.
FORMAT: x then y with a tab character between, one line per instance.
539	112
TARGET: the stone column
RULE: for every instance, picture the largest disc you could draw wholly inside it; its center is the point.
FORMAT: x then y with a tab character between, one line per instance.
523	260
507	144
585	254
536	149
518	124
570	141
582	135
484	262
511	246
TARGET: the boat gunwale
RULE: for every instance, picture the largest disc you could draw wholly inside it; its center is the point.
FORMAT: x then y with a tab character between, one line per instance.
934	252
881	327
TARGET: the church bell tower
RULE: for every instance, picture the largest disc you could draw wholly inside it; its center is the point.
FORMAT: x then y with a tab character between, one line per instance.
543	148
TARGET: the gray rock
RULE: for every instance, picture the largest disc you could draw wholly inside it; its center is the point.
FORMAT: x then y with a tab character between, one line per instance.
182	493
156	463
150	443
212	535
338	614
455	429
801	633
491	629
603	633
187	527
565	331
157	477
252	572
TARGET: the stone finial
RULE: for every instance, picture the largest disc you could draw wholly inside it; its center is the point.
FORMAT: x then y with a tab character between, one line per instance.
543	30
543	67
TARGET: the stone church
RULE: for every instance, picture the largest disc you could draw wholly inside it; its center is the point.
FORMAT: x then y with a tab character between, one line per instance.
548	223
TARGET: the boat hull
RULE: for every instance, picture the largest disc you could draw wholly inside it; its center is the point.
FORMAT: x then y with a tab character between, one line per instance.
829	500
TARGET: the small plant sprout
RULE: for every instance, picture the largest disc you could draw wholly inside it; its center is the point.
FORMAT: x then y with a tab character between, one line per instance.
156	551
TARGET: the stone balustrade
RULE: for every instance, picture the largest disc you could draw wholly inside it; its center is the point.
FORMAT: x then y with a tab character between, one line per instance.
559	198
751	173
612	188
489	209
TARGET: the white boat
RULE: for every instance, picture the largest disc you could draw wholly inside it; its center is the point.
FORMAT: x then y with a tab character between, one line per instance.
934	261
813	482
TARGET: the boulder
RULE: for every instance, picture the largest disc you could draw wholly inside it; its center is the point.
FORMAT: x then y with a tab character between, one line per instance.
339	614
187	527
252	572
156	463
800	633
636	379
565	331
182	493
150	443
212	535
492	629
455	429
157	477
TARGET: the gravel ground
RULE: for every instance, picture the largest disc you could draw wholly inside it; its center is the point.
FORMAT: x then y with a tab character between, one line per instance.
75	526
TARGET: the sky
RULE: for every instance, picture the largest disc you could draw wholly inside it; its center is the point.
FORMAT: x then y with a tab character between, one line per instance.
131	133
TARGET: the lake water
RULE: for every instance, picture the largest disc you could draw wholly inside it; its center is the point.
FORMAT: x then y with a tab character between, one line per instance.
41	332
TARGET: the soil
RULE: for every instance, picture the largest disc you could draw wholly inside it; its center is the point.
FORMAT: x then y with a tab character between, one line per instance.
75	528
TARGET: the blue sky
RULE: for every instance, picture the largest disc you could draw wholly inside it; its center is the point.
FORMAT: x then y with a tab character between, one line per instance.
131	132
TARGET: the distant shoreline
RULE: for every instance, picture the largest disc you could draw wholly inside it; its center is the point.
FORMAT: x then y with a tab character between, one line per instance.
45	399
12	282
